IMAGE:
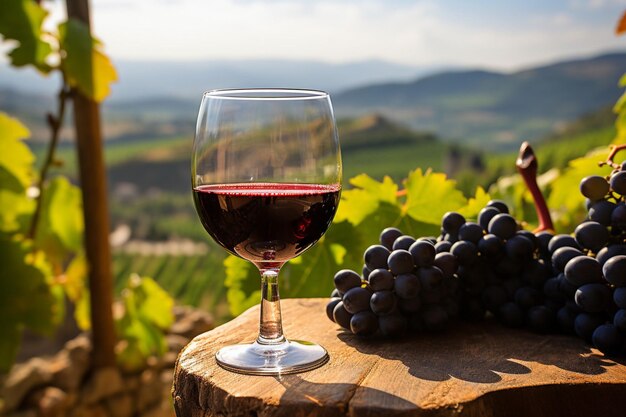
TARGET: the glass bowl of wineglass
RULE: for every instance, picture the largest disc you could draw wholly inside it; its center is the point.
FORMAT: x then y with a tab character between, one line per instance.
266	178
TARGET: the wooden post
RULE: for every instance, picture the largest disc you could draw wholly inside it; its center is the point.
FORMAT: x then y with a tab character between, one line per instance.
95	208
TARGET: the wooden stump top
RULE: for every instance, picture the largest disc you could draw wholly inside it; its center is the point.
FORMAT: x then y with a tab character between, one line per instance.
481	369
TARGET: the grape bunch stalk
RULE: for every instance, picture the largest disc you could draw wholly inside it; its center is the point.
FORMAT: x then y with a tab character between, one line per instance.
491	267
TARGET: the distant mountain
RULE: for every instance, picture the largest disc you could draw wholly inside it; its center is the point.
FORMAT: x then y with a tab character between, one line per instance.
498	109
147	79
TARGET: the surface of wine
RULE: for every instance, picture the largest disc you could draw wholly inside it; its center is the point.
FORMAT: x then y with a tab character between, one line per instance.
266	223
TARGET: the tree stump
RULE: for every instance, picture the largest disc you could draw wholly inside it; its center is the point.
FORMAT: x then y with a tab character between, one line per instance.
473	369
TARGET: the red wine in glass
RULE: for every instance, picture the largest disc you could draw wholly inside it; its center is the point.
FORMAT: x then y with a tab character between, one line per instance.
266	223
266	179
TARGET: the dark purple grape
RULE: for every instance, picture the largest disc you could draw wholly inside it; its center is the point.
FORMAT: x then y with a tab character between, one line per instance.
540	319
364	323
618	217
383	302
567	288
607	339
623	166
430	277
586	323
407	285
619	297
451	306
560	241
443	246
435	318
491	247
388	236
527	297
543	240
618	182
341	316
485	216
519	248
471	232
593	298
511	315
423	253
432	296
565	318
330	307
536	274
583	270
336	293
400	262
357	299
403	242
472	309
451	222
392	325
608	252
614	270
447	263
380	280
346	279
365	272
592	235
430	239
465	252
619	320
552	288
562	256
594	187
500	205
409	305
376	257
493	297
503	225
601	211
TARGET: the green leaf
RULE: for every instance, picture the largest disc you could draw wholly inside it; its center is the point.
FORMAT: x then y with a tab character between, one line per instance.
358	203
475	204
21	20
243	282
567	204
83	62
60	229
16	159
76	289
26	299
430	195
147	314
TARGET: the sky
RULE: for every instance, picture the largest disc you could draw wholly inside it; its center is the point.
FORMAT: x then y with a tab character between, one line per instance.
503	35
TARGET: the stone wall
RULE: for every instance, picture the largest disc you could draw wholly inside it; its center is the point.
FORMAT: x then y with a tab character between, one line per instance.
65	385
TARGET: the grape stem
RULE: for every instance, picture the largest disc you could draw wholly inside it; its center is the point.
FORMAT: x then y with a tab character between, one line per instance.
609	159
526	164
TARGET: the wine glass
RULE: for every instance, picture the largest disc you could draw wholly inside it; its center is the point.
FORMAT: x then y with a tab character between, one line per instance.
266	176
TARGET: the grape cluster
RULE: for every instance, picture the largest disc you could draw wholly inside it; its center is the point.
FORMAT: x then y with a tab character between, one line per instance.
492	267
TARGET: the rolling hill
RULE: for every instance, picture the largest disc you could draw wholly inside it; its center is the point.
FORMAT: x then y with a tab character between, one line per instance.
482	107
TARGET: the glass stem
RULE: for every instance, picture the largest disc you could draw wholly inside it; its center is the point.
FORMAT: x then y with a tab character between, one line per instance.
271	328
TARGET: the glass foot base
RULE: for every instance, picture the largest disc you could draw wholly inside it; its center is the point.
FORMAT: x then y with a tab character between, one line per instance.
290	357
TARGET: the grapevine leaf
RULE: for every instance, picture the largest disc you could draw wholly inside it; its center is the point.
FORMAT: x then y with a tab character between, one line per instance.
85	65
243	283
365	199
475	204
21	20
61	227
155	305
430	195
14	207
567	206
76	289
16	160
26	299
9	345
147	312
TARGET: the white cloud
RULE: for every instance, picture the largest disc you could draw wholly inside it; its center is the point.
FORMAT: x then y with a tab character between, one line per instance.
419	33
